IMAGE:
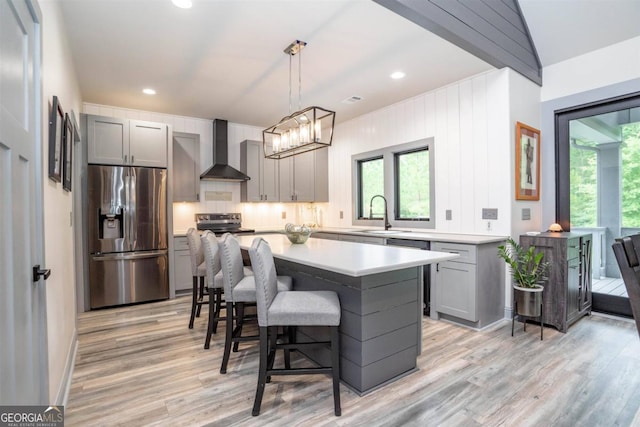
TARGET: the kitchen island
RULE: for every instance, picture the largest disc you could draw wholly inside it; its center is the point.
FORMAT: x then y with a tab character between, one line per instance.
380	290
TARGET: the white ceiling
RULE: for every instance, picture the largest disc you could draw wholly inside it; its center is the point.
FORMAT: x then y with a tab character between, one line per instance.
224	58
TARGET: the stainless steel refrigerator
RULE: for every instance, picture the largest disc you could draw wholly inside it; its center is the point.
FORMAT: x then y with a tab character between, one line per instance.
127	234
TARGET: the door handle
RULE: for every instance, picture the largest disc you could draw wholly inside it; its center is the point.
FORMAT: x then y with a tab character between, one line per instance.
38	272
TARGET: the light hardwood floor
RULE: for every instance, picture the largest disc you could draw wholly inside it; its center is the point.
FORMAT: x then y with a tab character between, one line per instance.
141	365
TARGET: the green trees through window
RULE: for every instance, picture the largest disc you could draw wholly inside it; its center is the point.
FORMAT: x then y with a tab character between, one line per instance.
583	172
412	172
403	174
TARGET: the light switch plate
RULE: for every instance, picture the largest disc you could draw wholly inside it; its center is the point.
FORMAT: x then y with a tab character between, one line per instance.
284	215
526	214
447	214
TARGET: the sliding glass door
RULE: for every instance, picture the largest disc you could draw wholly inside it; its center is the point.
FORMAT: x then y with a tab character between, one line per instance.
598	186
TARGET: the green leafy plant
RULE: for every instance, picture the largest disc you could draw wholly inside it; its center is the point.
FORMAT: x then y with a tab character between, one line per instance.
527	267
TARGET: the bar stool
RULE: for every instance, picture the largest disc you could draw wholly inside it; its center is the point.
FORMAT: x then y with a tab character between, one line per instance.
214	282
239	290
291	309
198	271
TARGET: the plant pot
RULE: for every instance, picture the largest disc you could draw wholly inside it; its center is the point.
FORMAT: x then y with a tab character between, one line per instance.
528	300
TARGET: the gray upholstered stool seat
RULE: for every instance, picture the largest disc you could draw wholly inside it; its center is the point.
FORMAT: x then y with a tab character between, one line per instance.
198	272
240	289
306	308
291	309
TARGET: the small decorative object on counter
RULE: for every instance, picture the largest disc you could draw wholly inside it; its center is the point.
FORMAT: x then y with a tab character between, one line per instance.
297	233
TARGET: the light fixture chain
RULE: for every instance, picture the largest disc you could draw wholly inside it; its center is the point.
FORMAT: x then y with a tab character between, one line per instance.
300	78
290	83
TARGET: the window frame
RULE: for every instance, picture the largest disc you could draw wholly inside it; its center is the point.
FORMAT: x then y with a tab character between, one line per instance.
388	154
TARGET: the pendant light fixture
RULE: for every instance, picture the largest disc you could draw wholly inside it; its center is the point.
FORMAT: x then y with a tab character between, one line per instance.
305	130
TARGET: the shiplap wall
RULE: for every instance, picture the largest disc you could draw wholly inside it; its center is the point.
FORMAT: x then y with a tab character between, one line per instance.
471	124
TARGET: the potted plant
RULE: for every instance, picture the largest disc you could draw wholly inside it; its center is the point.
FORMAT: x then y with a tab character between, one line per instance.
528	270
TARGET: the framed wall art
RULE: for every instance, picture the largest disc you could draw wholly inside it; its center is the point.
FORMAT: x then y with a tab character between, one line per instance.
56	135
527	162
68	153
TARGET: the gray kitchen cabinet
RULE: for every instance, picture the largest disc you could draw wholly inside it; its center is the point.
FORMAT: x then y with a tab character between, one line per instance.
182	269
567	292
469	289
264	183
114	141
305	177
186	167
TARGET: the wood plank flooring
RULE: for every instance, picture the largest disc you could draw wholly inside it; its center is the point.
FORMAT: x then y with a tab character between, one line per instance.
141	365
609	286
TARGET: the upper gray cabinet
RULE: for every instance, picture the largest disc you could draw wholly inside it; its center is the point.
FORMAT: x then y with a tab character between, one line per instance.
305	177
186	167
113	141
263	185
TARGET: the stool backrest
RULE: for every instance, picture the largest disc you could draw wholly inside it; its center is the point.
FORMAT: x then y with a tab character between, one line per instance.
195	250
627	251
264	271
211	256
231	263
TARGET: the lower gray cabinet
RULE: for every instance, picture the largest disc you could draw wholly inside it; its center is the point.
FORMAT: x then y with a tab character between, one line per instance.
469	289
182	269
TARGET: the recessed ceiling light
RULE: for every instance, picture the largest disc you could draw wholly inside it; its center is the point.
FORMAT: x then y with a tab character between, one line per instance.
184	4
148	91
397	75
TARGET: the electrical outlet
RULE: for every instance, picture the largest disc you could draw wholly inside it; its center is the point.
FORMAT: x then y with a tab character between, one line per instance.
284	215
488	225
488	213
341	215
447	214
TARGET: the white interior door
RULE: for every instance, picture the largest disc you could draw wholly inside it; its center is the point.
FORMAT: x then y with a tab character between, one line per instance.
23	345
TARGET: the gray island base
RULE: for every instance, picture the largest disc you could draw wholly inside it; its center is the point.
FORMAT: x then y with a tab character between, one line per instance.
380	295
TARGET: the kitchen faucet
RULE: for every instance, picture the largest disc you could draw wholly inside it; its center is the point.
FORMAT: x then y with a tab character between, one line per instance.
386	217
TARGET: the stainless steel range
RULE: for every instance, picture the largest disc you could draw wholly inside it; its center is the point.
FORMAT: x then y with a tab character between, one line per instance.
221	223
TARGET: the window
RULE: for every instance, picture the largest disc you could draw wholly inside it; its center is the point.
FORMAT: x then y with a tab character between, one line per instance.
412	185
371	182
403	175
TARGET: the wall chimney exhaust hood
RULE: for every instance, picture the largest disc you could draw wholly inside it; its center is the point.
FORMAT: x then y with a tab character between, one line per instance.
221	171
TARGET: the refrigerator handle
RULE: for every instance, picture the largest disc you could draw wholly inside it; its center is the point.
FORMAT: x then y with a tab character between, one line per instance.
129	256
133	208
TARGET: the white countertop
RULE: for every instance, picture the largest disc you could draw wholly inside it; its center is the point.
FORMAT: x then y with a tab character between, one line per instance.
351	259
432	236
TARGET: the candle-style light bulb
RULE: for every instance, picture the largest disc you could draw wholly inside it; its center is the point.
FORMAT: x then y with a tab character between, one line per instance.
304	133
276	143
317	131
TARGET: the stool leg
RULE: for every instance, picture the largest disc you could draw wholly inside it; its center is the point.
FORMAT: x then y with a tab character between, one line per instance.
335	368
273	338
207	340
262	371
194	301
216	295
227	338
239	323
291	339
199	293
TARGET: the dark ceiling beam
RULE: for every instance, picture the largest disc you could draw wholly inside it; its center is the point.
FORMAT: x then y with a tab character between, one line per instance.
492	30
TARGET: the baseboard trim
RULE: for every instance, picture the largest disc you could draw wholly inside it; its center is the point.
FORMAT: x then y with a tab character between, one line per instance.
65	385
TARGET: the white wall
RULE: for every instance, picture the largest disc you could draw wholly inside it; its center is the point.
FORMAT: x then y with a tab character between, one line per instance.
471	123
58	79
612	64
